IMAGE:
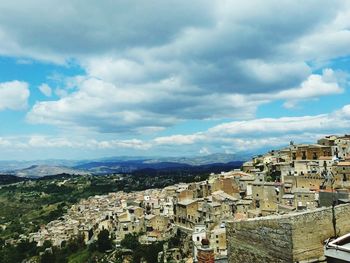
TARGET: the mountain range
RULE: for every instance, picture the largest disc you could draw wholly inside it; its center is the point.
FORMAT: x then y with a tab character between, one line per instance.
123	164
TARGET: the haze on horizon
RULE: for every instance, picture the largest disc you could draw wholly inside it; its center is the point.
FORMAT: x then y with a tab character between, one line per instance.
87	79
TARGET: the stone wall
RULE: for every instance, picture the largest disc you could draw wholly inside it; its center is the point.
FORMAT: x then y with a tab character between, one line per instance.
294	237
261	240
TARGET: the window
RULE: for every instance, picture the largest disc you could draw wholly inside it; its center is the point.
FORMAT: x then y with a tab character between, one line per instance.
303	155
197	238
257	203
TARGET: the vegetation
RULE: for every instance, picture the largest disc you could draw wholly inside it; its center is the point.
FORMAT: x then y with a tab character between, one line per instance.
74	251
104	243
10	179
142	252
14	254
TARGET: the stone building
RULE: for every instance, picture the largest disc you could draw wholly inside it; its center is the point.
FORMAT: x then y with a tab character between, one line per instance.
309	151
209	213
218	242
226	184
342	169
327	140
184	194
296	237
156	223
265	197
341	149
304	199
186	213
306	182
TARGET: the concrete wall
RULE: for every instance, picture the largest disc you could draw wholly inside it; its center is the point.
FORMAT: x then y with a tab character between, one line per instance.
288	238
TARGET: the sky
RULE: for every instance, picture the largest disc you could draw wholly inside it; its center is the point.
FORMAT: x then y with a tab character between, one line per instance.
88	79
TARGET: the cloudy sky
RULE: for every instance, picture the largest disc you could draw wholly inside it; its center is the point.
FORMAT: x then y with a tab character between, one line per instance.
86	79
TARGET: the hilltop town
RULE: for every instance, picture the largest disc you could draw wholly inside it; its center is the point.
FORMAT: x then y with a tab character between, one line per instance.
300	177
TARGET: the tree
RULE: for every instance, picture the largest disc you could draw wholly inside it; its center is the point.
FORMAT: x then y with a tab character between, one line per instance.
104	242
47	257
131	241
150	252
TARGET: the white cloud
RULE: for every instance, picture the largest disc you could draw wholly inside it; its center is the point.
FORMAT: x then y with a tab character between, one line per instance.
45	89
256	134
234	137
47	142
4	142
73	142
314	87
204	150
177	60
177	139
14	95
219	63
106	107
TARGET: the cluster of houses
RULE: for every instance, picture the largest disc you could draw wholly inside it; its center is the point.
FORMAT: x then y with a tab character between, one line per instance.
298	177
304	176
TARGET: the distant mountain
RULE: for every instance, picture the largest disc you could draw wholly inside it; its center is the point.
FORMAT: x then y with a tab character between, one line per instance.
37	171
126	166
190	169
199	160
17	165
121	164
114	165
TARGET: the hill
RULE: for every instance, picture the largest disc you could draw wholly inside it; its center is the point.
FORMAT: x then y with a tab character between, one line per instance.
37	171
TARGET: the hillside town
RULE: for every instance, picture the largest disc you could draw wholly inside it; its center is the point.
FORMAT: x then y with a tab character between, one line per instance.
300	177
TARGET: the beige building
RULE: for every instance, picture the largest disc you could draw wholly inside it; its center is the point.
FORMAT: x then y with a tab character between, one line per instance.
309	151
304	199
341	149
327	140
218	242
342	170
247	167
186	213
227	185
130	221
209	213
306	182
156	223
265	197
184	194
